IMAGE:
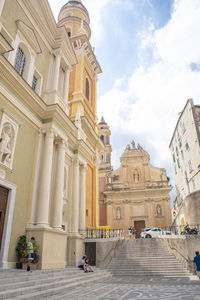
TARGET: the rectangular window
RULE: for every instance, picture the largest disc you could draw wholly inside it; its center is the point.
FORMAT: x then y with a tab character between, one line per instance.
190	165
34	83
183	128
193	184
20	61
182	155
178	163
187	147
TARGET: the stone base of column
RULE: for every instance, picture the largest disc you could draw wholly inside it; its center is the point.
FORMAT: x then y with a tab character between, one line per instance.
75	249
52	245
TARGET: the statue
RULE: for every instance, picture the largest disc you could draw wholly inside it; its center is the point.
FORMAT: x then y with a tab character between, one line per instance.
159	210
6	143
140	147
128	148
133	144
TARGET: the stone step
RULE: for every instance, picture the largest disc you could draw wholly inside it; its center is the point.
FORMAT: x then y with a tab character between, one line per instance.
40	289
143	272
32	279
51	272
146	258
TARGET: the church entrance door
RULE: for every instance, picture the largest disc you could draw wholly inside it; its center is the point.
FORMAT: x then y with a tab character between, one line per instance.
139	225
3	204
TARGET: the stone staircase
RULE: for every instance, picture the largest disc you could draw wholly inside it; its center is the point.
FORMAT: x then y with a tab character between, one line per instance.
146	257
45	284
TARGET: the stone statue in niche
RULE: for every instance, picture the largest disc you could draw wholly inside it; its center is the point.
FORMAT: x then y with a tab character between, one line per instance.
136	176
158	210
6	143
118	213
133	144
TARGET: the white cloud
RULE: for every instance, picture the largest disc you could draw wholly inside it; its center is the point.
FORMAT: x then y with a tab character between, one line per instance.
155	94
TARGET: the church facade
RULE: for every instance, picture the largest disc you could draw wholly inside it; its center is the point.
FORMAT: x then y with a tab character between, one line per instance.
137	194
48	134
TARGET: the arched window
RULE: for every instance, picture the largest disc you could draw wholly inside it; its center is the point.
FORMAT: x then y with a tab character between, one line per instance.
102	138
87	89
20	61
136	177
69	32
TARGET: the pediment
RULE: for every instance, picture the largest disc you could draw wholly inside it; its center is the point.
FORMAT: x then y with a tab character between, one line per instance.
30	36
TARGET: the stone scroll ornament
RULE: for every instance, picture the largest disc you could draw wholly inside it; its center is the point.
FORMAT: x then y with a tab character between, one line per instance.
8	134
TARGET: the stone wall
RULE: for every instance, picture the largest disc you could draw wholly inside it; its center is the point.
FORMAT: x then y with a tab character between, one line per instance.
183	248
106	249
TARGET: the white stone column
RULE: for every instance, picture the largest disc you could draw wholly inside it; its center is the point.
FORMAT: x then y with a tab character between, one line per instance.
36	179
75	198
56	71
66	87
82	206
45	181
59	186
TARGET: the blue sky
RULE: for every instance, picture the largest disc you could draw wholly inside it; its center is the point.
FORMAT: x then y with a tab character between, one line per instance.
149	51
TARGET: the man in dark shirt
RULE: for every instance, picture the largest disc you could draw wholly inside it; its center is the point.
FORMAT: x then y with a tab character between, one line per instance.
197	263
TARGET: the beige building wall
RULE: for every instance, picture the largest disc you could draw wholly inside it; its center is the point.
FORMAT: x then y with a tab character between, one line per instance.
185	151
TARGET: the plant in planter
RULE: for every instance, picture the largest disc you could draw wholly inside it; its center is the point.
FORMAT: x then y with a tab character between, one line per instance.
21	250
22	254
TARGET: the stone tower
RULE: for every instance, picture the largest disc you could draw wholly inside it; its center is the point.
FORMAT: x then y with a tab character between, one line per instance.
104	167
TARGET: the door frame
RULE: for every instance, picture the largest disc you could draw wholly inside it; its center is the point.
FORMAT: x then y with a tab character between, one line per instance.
138	234
7	222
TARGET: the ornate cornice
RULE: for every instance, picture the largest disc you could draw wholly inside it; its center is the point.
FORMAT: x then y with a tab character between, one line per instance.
81	43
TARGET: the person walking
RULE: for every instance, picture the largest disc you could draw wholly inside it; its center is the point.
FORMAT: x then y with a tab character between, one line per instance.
196	262
30	252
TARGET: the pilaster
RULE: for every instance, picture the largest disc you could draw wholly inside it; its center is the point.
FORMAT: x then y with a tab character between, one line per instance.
45	181
75	197
82	205
59	186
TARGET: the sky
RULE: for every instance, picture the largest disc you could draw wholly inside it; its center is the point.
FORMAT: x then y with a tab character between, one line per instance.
149	51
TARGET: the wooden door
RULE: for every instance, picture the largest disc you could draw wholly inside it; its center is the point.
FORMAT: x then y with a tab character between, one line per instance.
90	251
3	204
139	225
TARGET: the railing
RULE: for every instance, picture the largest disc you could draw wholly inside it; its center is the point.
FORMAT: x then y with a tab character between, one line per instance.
180	230
97	233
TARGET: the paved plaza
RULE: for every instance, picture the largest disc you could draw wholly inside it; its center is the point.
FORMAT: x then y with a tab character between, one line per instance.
118	288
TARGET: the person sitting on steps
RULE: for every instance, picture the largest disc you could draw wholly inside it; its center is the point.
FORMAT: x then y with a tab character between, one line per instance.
83	264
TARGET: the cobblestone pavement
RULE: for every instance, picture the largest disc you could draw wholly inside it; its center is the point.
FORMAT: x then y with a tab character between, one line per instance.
118	288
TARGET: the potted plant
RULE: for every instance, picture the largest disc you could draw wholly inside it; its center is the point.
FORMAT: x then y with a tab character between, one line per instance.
22	254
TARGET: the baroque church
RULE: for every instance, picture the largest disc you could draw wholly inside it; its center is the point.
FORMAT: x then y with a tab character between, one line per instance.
49	141
136	194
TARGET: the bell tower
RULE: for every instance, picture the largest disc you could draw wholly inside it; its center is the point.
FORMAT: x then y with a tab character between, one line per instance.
104	168
82	98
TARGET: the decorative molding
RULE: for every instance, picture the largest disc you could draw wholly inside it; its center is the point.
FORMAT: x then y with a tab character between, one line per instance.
127	201
30	36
